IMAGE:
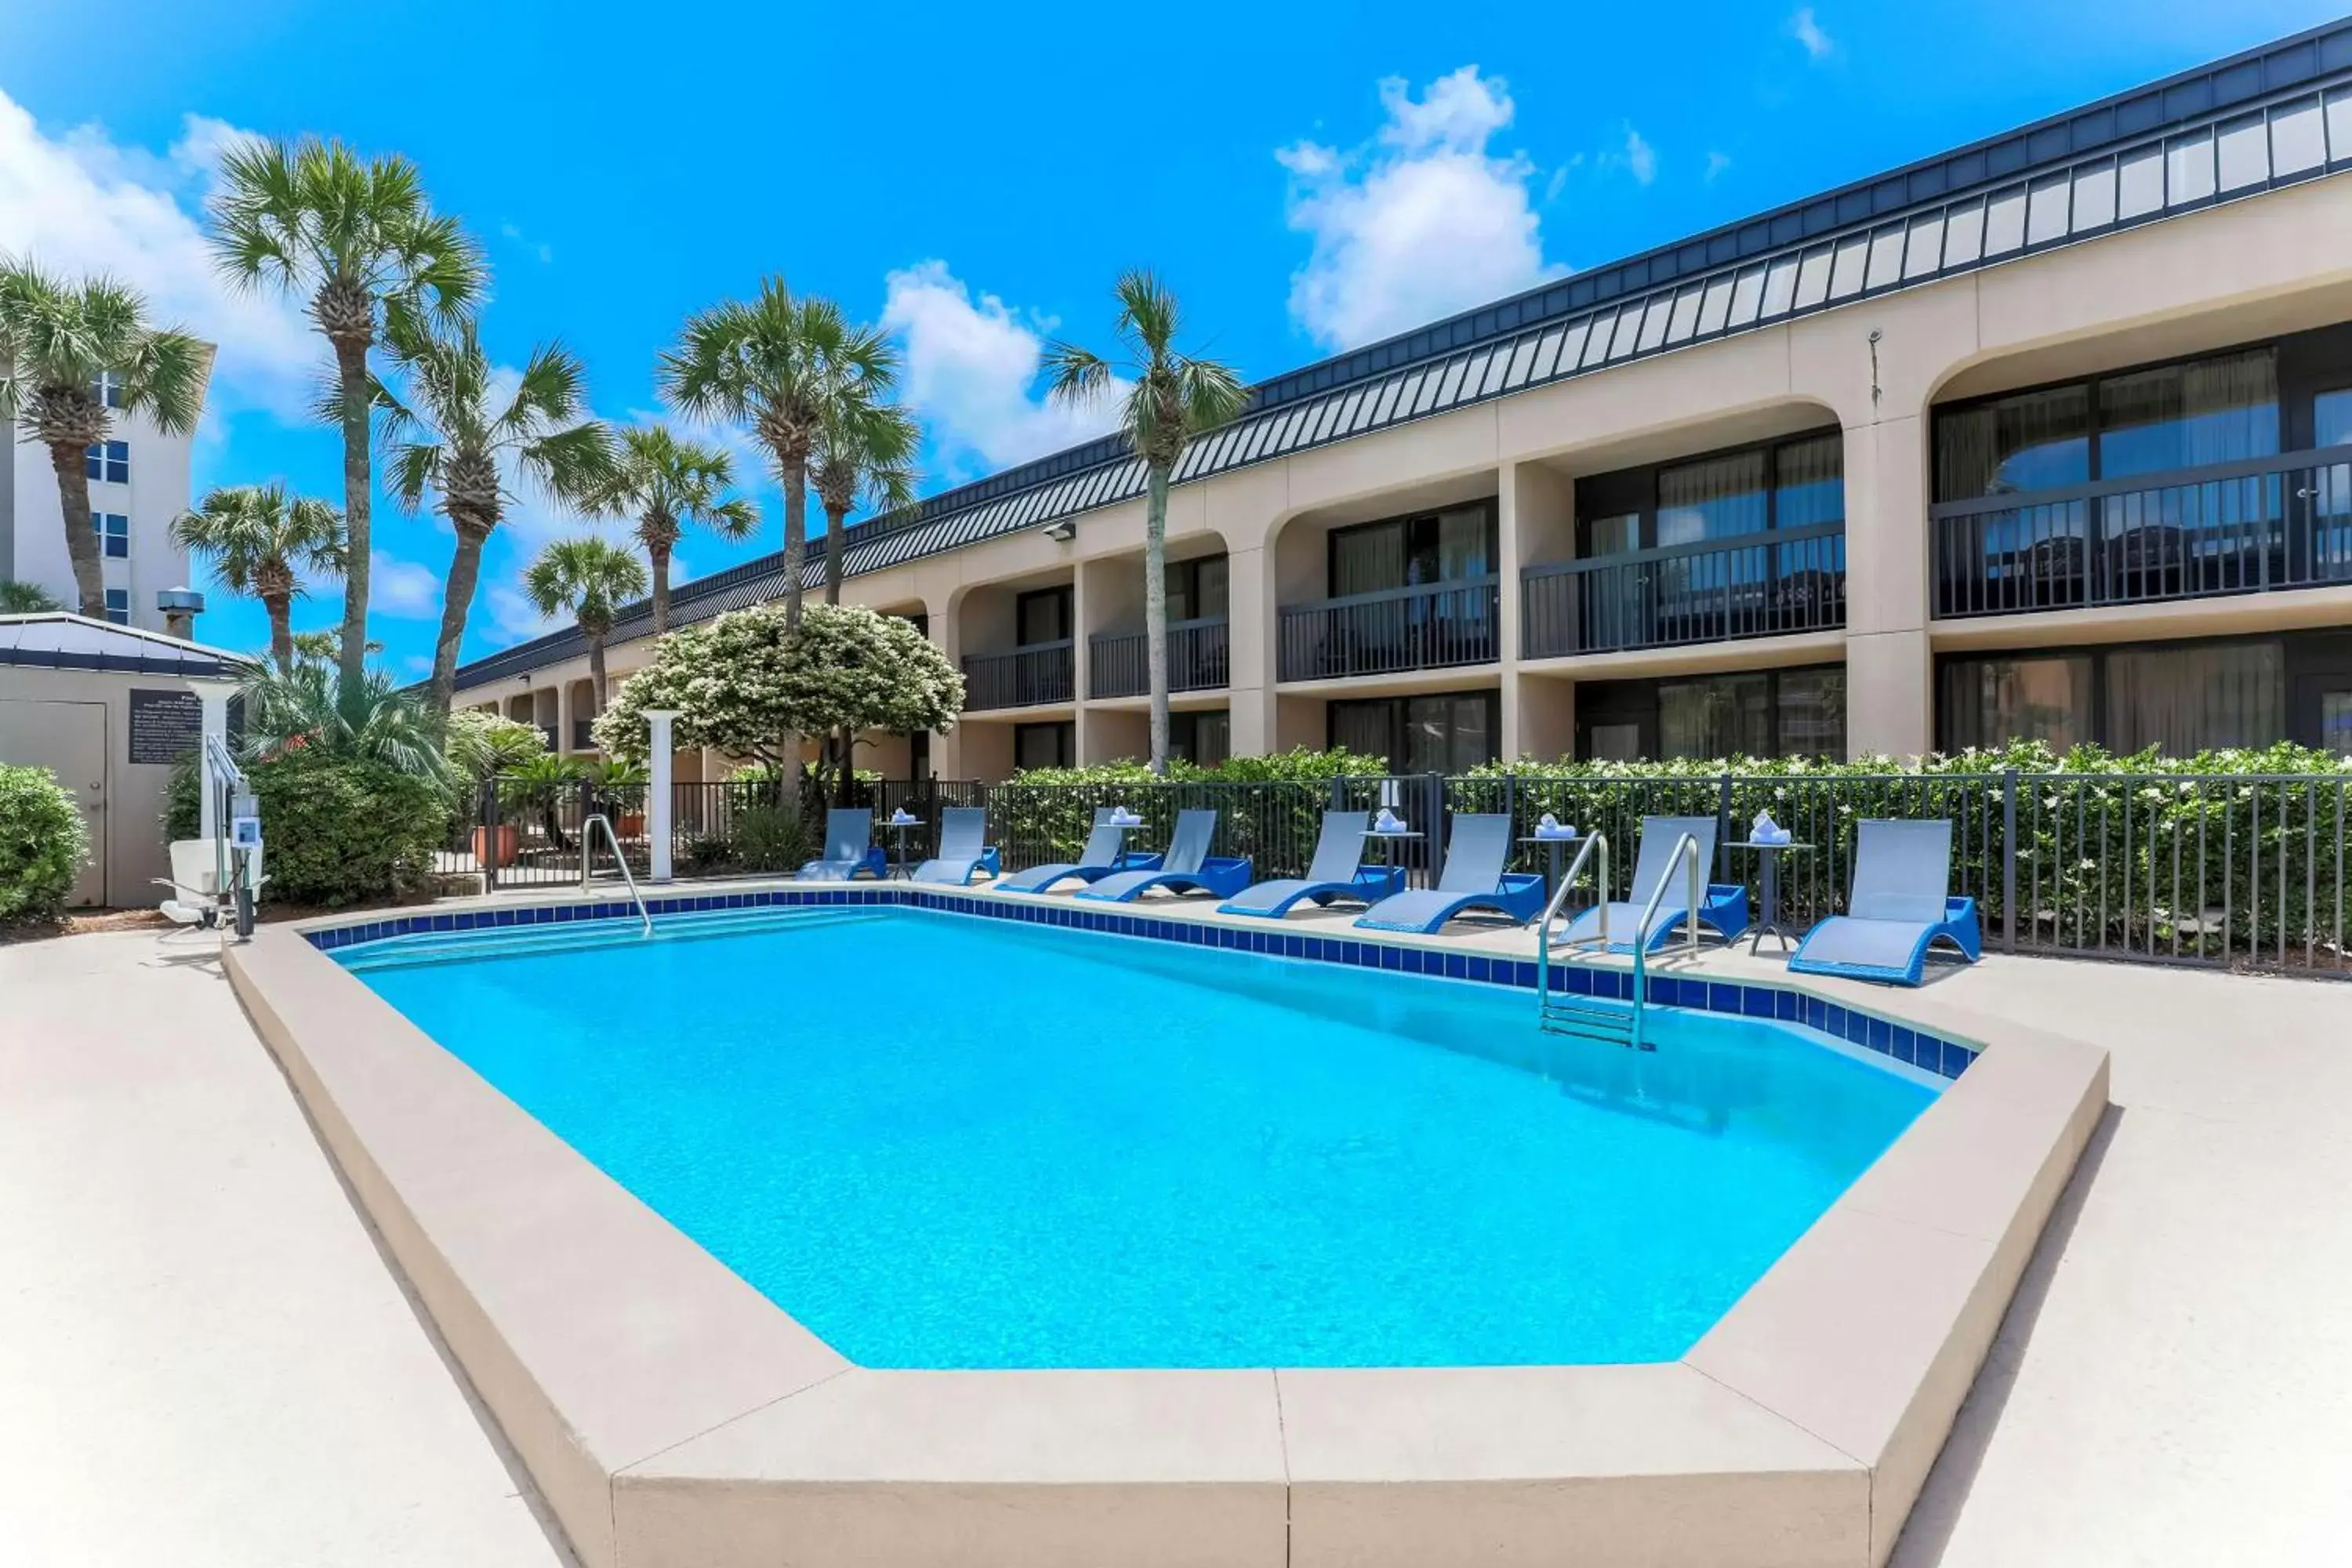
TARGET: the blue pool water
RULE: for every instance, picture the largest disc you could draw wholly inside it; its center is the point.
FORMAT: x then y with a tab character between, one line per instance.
942	1142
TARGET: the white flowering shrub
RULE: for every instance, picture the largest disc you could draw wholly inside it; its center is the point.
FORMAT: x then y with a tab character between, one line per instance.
742	682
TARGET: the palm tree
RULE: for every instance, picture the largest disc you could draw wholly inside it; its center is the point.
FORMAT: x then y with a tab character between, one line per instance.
1176	396
667	485
74	354
457	434
776	364
588	577
324	648
262	542
368	720
864	451
26	599
353	235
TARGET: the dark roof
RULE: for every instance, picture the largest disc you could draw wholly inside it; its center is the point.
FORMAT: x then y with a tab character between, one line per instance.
2255	120
58	640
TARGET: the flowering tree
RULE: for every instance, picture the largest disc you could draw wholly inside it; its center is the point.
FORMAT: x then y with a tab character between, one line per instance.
747	681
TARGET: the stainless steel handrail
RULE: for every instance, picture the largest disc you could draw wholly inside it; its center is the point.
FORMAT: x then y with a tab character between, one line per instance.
1685	849
1593	842
587	843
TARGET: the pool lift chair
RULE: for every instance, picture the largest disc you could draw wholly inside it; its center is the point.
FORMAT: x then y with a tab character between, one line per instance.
1594	1012
214	880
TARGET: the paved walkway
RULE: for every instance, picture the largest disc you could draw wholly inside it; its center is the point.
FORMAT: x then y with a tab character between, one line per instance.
204	1361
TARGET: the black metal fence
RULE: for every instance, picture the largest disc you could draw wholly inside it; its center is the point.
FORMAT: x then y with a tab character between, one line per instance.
2214	868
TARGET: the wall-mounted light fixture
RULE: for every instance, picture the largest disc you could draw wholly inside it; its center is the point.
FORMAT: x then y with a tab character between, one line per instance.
1062	532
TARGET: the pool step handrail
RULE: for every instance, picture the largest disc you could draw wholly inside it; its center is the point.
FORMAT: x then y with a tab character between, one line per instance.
1562	1014
587	846
1685	850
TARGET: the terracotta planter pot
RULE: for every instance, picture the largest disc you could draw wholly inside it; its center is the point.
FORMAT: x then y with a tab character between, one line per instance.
507	839
630	823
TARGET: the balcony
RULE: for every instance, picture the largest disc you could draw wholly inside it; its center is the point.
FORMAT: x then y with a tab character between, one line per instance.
1041	672
1117	662
2250	527
1764	584
1431	627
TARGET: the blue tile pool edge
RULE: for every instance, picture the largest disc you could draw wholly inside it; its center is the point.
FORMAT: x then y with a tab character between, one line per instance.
1875	1033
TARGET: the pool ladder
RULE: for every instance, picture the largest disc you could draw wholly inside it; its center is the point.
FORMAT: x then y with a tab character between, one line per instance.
587	845
1600	1017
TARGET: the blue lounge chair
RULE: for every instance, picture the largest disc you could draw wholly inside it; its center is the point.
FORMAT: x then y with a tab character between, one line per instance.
849	848
1098	859
1900	907
961	854
1339	872
1473	878
1723	906
1187	866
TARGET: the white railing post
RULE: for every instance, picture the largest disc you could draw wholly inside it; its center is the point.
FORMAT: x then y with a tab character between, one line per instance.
657	809
212	701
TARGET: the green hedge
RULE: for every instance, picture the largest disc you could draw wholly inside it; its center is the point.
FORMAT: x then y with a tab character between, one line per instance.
335	832
1268	808
44	842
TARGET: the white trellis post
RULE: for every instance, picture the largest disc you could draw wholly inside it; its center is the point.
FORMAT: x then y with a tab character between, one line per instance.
658	814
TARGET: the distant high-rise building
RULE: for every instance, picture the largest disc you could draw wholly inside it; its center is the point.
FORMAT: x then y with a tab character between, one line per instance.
137	484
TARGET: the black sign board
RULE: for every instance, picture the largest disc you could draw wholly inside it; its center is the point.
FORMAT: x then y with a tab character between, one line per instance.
164	725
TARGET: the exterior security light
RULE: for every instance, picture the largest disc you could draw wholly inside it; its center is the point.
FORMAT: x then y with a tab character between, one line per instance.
1062	532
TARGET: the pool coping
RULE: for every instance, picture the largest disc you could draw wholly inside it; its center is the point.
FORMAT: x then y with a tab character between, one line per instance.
671	1413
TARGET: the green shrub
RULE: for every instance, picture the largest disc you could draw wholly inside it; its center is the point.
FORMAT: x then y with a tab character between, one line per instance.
1268	808
43	842
334	831
769	838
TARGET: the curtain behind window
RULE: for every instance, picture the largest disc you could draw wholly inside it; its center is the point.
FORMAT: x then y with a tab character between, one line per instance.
1366	729
1717	498
2184	700
1811	718
2036	441
1367	560
1808	480
1988	702
1729	715
2185	415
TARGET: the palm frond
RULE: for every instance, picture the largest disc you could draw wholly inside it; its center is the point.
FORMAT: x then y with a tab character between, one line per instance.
1075	377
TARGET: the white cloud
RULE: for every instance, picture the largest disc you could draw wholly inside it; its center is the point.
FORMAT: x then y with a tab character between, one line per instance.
80	203
1716	162
517	618
971	373
405	590
1803	27
1641	158
1417	223
514	232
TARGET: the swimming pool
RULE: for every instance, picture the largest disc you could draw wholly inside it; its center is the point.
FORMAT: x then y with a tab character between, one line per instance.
944	1142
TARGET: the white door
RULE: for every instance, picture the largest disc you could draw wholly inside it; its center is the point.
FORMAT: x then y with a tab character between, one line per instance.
70	740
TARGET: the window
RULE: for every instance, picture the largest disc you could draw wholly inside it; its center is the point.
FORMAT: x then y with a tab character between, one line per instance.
107	389
1197	589
113	534
2180	698
1043	616
1045	745
1205	738
109	461
1988	702
2184	700
1715	497
1408	552
2331	418
2185	415
1442	732
1758	713
2034	440
2335	722
118	605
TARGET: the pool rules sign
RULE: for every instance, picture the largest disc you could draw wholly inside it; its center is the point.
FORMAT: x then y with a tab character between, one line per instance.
164	725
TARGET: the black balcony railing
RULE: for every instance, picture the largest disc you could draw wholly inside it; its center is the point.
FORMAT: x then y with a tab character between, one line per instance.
1399	629
2233	528
1763	585
1117	663
1041	672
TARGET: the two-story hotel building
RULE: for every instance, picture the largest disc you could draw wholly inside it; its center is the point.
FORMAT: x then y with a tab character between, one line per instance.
2048	435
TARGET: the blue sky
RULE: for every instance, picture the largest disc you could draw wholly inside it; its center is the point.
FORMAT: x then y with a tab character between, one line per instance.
1306	177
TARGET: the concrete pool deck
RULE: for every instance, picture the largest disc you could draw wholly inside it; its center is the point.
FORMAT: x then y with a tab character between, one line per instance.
2169	1386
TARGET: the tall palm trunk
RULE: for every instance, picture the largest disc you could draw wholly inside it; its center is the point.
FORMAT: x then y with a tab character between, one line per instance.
835	521
279	607
795	477
596	666
1155	608
457	599
657	548
359	487
69	460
